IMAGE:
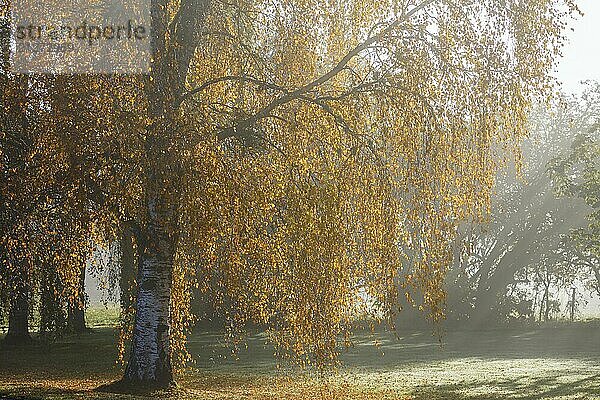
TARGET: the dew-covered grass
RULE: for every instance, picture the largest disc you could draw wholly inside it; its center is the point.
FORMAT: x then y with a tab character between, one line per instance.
550	363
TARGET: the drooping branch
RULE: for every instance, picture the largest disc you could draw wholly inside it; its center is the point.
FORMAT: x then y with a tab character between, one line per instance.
207	84
286	98
299	93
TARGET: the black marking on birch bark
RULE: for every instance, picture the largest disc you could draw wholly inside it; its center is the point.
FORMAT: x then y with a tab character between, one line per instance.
148	284
161	328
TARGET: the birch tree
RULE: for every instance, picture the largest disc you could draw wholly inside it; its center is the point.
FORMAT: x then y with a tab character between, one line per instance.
299	153
310	160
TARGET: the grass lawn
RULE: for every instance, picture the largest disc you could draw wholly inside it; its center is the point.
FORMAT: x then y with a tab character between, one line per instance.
559	363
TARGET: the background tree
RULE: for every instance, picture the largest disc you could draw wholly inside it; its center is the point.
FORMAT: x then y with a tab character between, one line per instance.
525	256
577	175
59	159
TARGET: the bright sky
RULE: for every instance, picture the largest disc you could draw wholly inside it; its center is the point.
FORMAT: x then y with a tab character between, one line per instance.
581	56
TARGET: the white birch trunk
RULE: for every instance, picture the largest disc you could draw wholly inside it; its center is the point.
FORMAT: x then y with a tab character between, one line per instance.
150	362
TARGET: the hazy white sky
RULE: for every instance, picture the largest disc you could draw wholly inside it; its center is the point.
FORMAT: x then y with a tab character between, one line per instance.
581	56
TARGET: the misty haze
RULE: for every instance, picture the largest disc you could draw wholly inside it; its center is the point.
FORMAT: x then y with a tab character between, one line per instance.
297	199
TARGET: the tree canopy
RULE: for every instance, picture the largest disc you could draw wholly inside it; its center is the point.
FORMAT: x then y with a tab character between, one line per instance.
311	161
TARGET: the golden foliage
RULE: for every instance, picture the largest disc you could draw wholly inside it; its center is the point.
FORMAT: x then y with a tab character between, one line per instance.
326	177
327	153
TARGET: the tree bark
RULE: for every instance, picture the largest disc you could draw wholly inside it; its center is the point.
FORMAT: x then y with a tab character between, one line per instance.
76	320
547	303
128	271
18	319
150	360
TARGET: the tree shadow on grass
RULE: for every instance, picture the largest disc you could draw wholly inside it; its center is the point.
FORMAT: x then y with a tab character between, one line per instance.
515	389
